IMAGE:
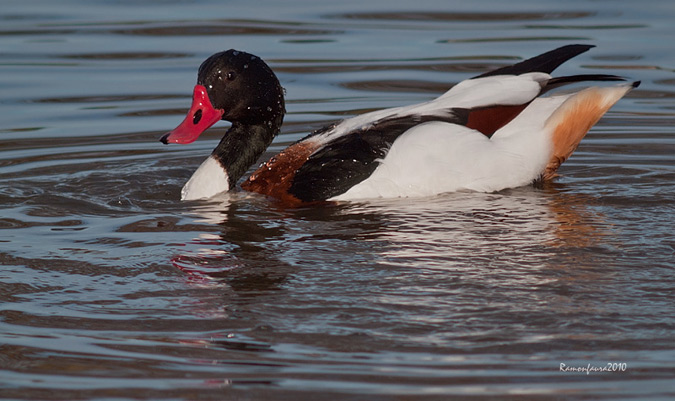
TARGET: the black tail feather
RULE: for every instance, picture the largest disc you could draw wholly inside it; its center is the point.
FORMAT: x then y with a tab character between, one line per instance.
546	62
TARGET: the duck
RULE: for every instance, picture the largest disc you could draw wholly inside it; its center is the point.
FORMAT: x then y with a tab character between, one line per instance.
498	130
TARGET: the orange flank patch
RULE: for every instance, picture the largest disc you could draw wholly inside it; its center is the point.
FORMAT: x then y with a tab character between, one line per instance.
574	118
489	119
275	177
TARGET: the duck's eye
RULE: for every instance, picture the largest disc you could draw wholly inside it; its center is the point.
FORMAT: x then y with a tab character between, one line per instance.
230	75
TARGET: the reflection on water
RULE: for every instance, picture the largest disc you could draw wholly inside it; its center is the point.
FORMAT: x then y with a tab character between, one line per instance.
432	232
112	289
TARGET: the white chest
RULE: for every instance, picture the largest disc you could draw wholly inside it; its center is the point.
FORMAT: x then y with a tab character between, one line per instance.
210	179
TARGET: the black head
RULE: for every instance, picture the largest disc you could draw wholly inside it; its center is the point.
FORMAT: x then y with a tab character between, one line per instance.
233	86
242	85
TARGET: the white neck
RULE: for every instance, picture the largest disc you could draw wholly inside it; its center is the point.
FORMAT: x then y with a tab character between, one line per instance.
210	179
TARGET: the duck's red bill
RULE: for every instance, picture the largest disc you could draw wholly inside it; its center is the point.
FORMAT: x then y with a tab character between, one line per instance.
201	116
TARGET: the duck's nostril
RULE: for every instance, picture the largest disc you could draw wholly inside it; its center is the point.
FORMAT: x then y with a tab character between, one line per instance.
197	117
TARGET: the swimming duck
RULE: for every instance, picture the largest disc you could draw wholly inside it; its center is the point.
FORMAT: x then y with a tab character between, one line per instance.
488	133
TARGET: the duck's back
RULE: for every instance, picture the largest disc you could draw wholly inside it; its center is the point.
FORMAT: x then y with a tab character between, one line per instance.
485	134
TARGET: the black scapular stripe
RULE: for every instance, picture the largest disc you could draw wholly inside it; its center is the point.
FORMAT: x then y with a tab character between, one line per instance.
353	157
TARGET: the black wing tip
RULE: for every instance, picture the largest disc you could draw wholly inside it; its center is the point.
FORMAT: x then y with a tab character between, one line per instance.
585	77
580	47
557	82
545	62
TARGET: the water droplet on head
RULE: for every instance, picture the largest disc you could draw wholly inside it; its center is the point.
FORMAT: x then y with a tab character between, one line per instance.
245	66
236	53
269	108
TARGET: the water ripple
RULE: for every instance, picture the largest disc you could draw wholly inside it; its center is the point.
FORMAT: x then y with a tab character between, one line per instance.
110	286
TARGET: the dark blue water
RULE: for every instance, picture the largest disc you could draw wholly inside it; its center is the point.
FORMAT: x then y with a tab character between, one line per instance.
112	289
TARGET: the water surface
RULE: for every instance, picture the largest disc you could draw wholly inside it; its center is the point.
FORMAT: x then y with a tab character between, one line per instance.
111	288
